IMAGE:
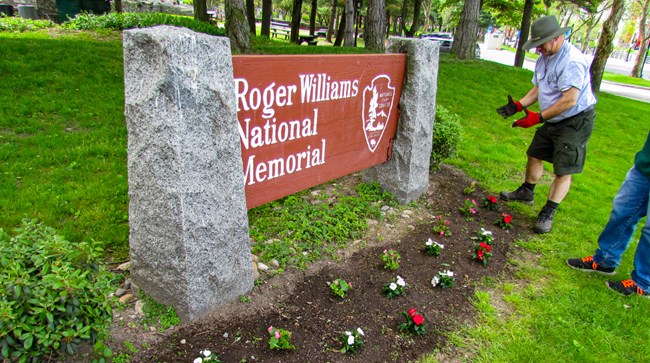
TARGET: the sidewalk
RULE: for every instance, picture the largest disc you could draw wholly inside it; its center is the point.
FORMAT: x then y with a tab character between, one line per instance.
632	92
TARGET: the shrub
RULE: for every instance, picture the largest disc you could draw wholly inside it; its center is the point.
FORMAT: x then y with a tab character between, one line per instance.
446	137
16	24
120	21
52	293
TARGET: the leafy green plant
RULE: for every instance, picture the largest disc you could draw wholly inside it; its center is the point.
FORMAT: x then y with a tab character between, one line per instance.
444	279
446	136
442	227
469	208
396	287
279	339
352	340
206	356
391	259
52	293
432	247
340	287
157	313
414	323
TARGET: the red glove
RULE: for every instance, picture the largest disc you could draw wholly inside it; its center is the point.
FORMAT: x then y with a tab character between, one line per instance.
531	119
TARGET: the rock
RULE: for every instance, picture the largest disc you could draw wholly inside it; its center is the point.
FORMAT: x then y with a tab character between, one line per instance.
407	211
256	273
372	222
120	292
262	267
256	259
127	284
183	341
126	266
405	216
275	263
385	208
126	298
139	307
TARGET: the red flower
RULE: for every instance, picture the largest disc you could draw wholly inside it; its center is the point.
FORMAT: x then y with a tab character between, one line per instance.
485	246
479	254
418	319
507	218
412	312
492	199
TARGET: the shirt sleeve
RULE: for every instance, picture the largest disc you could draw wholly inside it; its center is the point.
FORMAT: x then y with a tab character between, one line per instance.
573	75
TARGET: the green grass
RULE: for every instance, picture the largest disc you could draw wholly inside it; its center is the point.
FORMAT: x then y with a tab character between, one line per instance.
63	158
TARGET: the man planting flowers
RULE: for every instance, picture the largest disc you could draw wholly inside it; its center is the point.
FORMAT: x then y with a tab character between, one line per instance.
483	252
505	221
352	340
391	259
395	288
491	203
279	339
414	323
442	229
432	247
340	287
444	279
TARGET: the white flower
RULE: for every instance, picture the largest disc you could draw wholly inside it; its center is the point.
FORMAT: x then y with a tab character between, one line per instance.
438	244
351	340
392	286
206	353
447	273
360	331
348	333
400	281
435	280
198	360
485	233
429	242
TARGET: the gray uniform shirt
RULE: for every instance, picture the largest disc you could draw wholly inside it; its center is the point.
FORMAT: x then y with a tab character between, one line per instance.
557	73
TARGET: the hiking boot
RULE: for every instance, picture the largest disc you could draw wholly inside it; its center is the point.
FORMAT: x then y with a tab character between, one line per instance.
522	194
588	264
544	220
627	288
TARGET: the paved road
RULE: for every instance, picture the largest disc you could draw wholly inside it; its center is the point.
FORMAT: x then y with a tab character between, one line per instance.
613	65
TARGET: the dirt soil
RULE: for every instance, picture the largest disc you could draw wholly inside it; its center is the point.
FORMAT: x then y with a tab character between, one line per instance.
301	301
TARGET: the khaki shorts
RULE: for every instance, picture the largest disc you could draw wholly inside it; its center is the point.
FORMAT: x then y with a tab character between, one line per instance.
564	143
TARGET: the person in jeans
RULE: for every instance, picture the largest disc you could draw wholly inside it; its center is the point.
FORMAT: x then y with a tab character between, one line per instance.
630	205
562	86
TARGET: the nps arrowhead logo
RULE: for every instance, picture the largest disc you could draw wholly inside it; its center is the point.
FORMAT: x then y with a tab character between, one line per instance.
377	105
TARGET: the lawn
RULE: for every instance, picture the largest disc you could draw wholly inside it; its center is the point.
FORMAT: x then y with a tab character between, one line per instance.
63	157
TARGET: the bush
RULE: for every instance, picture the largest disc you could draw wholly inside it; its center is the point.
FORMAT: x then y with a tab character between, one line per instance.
446	137
16	24
53	294
121	21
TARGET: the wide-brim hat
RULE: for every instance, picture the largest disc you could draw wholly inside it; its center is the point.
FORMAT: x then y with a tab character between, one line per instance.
543	30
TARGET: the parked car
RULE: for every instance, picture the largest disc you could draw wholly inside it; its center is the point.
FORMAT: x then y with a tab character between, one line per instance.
446	40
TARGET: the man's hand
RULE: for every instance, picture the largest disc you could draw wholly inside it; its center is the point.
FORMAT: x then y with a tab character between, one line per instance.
509	109
531	119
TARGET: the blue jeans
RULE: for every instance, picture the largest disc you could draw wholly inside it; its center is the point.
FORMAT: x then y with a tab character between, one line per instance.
630	205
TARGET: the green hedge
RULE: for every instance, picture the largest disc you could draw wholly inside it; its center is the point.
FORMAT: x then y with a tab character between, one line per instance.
446	136
53	294
121	21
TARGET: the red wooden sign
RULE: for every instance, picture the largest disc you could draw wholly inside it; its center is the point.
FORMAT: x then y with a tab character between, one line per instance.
305	120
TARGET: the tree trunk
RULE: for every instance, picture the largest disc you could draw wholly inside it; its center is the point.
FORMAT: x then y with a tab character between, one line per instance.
339	33
464	45
605	44
643	47
236	25
267	11
296	17
312	17
525	31
330	26
376	26
348	36
417	5
250	15
201	10
118	6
